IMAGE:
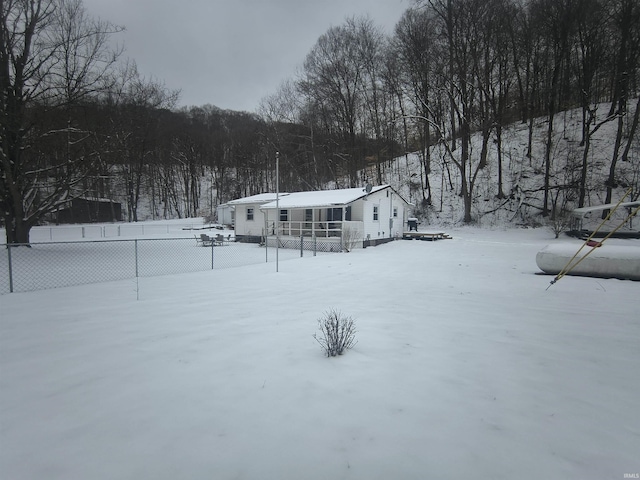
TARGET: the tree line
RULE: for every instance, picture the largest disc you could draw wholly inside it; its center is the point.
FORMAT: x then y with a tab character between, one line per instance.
455	68
78	120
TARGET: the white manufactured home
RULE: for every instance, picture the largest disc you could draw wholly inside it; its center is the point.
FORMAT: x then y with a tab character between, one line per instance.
335	219
249	220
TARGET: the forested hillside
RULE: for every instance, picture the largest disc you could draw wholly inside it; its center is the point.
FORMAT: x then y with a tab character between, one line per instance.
474	109
511	190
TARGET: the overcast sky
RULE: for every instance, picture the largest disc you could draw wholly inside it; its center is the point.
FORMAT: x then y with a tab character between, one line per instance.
230	53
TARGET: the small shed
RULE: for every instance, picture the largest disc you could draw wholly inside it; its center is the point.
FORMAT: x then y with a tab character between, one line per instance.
585	220
86	210
225	214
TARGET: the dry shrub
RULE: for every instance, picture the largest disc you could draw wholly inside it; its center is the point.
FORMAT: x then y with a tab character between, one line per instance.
337	333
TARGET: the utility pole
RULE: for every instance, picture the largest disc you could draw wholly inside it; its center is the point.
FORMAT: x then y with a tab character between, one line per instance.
277	220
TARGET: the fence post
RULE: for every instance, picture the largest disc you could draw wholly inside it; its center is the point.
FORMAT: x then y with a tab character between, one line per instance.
10	268
315	245
212	254
135	242
301	244
137	279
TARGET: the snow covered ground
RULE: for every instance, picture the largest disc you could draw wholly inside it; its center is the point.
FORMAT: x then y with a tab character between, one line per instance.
465	367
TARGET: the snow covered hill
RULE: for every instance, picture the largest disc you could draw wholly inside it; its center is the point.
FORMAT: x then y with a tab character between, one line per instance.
523	177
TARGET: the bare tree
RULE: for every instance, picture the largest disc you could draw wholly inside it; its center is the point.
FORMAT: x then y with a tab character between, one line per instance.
461	20
135	106
52	57
556	19
626	19
526	50
333	76
414	46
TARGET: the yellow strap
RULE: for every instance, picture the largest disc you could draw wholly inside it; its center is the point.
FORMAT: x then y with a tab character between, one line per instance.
566	268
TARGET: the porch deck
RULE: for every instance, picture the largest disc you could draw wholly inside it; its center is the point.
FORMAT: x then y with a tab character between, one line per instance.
332	229
429	236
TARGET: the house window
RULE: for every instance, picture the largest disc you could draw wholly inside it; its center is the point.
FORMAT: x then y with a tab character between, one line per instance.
249	214
284	215
395	212
375	213
308	215
334	214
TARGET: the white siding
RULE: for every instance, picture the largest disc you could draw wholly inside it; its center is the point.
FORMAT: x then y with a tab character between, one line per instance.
386	226
225	214
253	227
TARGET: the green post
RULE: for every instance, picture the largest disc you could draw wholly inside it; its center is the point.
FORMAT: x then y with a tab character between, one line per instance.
10	269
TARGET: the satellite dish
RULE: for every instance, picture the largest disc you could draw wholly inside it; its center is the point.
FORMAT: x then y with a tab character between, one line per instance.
368	188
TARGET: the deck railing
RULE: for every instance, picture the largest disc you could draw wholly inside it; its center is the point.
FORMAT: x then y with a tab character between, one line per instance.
318	236
317	229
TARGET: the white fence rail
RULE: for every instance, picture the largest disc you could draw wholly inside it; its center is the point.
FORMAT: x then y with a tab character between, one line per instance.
63	233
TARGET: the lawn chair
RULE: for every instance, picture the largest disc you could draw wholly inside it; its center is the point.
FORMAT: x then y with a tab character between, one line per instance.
219	240
205	240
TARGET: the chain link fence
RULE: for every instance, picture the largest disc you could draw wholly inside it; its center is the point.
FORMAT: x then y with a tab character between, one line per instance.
312	244
40	266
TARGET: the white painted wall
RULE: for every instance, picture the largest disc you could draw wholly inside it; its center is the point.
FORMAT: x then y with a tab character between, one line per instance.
386	226
225	214
253	227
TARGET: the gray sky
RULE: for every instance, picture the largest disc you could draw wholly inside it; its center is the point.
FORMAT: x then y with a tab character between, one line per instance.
230	53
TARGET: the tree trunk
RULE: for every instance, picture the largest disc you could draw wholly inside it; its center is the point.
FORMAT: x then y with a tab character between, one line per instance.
530	138
486	136
583	172
632	132
547	160
501	194
611	180
452	105
17	229
21	232
465	130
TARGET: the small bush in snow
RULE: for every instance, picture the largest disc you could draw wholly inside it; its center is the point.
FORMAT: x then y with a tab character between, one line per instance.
559	222
337	333
350	238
